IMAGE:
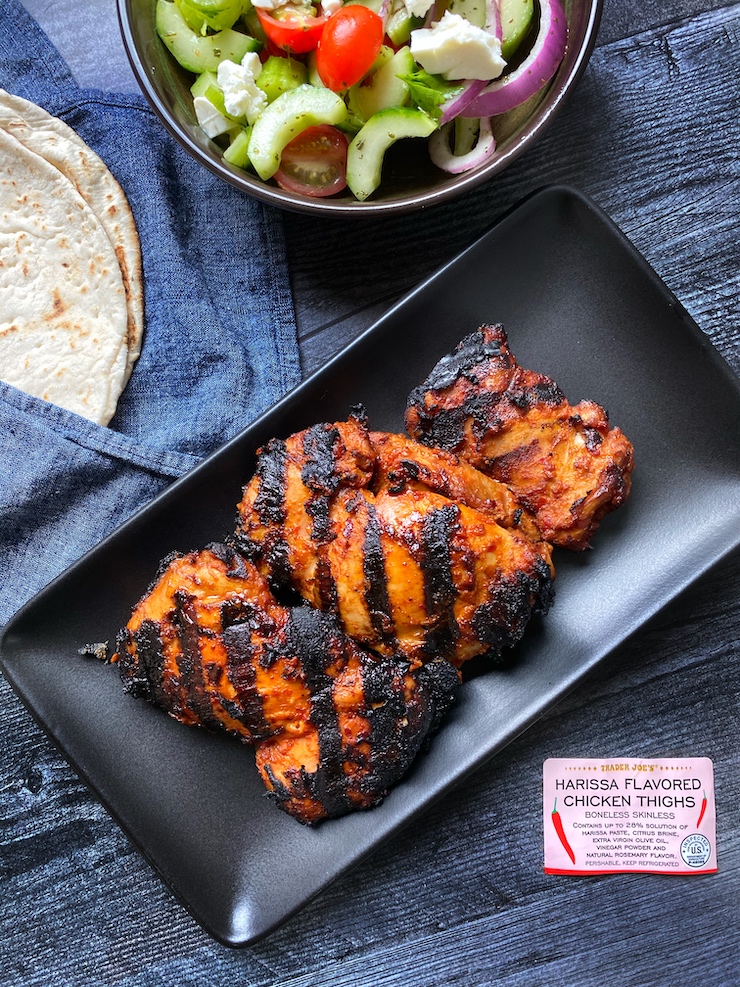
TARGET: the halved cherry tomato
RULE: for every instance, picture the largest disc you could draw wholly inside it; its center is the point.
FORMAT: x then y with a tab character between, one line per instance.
348	46
315	162
292	29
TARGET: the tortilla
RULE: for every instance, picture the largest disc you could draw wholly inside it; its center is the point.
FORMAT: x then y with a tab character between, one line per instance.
63	305
58	144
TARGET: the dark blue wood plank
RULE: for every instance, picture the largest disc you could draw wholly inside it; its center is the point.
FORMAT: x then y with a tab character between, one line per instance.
661	104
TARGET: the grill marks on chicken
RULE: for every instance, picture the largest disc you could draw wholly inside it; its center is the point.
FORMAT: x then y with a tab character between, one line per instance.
333	727
369	719
174	650
402	463
563	463
294	483
365	570
399	555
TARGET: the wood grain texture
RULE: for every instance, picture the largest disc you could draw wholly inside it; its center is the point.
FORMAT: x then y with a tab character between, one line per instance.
460	896
636	114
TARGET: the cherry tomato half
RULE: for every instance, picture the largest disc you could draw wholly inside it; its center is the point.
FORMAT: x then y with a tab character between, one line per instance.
348	46
293	30
315	162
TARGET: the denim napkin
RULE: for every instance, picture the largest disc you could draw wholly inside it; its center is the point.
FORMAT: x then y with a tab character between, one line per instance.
220	343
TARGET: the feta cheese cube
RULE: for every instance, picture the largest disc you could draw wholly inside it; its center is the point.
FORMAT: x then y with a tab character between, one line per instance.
209	118
242	96
456	49
418	8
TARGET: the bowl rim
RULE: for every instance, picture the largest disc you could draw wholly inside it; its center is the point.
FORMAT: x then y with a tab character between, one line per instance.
564	81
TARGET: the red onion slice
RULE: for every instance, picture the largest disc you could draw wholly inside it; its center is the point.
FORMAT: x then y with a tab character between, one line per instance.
538	67
455	164
493	19
454	107
433	14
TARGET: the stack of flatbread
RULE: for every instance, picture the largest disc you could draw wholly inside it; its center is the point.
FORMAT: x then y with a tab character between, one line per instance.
71	294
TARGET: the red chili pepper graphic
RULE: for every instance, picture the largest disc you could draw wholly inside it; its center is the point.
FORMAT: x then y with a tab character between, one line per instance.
703	810
558	824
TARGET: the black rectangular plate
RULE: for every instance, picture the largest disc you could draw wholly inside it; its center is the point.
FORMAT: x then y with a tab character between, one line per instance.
579	304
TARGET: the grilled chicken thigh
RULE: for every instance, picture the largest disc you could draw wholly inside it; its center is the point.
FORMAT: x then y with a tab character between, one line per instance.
564	463
333	726
413	551
401	463
366	568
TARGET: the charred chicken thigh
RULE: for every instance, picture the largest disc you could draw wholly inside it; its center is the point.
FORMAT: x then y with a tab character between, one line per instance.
563	463
402	463
414	551
367	568
333	727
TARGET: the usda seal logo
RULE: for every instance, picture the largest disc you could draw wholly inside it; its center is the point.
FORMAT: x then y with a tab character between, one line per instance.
695	850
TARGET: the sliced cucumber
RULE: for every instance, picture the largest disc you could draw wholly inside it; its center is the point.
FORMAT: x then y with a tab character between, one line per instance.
385	54
516	20
367	148
400	24
207	85
214	6
356	115
216	16
253	24
472	10
385	89
353	121
314	79
280	75
465	135
374	5
193	51
284	119
237	153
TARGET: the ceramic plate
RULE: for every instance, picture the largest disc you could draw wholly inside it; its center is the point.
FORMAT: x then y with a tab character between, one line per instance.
579	304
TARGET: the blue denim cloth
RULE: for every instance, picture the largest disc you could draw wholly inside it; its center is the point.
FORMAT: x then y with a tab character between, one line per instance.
220	347
220	343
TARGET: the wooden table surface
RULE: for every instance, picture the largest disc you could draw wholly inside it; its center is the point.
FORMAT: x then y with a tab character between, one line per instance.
651	135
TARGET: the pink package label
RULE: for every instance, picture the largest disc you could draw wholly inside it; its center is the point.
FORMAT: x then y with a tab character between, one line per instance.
623	815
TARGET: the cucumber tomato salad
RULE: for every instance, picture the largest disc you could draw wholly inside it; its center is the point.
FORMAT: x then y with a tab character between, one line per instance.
312	94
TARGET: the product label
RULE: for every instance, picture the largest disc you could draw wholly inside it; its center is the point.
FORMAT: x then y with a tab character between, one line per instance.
623	815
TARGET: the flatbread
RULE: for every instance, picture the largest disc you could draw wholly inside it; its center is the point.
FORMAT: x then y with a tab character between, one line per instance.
63	305
62	147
